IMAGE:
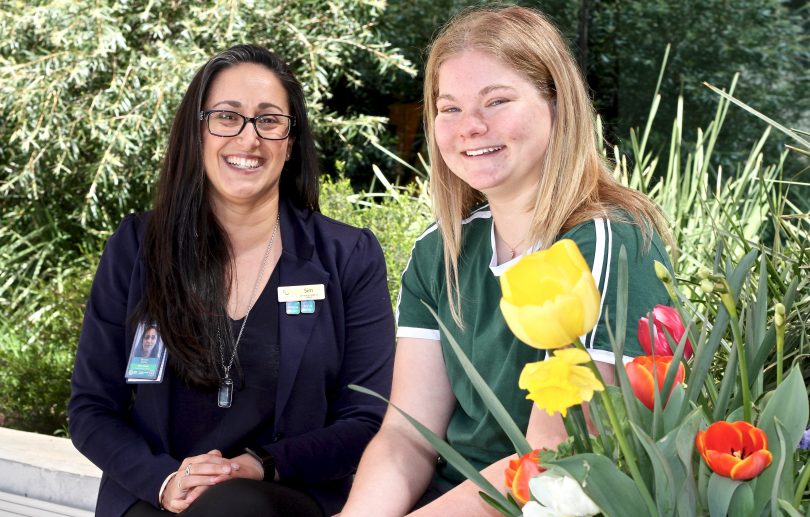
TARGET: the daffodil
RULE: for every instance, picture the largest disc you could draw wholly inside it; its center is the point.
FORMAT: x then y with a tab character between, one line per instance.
550	297
558	382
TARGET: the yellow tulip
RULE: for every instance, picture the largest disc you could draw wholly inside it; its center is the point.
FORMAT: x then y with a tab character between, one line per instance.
550	297
558	383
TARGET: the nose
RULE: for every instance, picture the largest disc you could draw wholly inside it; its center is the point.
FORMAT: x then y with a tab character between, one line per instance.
249	135
472	123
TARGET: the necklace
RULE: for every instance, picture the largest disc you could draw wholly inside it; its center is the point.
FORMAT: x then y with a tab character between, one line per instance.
225	393
512	249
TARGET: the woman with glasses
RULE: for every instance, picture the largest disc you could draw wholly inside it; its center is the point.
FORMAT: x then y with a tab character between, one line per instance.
514	167
267	311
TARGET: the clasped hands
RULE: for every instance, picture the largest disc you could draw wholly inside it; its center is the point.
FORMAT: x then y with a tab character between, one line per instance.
199	473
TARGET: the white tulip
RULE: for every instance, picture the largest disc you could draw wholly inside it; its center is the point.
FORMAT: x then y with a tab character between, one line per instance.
535	509
558	496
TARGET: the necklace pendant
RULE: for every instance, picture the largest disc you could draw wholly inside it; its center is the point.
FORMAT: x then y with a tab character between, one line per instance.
225	393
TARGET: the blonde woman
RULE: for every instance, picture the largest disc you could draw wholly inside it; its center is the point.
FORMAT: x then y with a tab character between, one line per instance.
515	167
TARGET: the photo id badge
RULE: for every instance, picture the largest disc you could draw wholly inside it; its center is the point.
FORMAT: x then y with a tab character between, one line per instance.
147	360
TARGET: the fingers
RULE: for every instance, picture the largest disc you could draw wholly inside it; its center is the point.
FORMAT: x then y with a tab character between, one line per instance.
247	466
193	494
194	476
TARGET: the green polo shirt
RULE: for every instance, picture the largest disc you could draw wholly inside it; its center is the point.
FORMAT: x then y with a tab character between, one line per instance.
486	339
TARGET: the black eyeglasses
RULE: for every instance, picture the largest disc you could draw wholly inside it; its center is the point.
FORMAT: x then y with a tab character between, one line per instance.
269	126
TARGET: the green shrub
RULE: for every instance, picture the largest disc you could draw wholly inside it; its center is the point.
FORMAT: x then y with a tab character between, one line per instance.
36	355
397	217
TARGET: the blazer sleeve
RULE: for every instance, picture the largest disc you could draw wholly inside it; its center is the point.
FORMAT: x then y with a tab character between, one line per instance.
333	452
99	416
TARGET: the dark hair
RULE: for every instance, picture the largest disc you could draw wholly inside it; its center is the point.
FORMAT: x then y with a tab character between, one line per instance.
186	252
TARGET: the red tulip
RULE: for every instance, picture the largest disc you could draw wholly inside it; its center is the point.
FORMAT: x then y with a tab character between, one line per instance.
640	374
735	450
520	471
664	318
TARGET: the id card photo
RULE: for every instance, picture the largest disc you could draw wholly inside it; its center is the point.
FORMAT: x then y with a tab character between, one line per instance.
147	360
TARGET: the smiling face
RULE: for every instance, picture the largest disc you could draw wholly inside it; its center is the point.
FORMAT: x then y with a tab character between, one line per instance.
245	169
150	338
492	125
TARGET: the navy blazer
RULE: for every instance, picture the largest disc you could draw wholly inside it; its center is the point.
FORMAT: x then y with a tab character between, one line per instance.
320	427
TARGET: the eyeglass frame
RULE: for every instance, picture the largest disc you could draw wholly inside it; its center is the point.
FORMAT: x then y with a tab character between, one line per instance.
205	115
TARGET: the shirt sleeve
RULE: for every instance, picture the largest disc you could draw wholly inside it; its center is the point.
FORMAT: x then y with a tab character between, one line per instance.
422	281
600	242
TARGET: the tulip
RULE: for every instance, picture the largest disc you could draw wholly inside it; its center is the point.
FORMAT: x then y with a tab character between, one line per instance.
664	318
558	383
735	450
520	471
558	496
550	297
640	373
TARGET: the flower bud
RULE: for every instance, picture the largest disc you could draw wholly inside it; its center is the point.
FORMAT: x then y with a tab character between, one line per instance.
704	273
662	273
707	286
779	315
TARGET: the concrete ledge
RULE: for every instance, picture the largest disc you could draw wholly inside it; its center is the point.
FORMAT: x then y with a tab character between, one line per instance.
46	474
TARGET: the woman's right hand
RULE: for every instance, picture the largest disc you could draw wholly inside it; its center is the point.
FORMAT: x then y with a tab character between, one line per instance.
195	475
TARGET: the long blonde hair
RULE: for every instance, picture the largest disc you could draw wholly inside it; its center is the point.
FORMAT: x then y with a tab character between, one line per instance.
574	178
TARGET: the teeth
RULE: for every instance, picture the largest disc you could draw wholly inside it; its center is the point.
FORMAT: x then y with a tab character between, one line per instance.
242	163
479	152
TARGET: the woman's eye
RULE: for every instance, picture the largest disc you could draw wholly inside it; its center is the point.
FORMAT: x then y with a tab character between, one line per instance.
269	120
497	102
448	109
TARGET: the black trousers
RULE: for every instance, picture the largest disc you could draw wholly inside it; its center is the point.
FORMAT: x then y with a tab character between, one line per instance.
242	498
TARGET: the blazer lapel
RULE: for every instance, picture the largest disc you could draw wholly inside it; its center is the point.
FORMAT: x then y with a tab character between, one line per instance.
296	267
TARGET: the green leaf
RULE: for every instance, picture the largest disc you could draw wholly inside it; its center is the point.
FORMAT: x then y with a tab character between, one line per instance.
447	452
756	332
770	338
742	503
789	508
672	411
726	386
498	506
492	403
790	406
665	482
779	467
789	132
610	488
721	490
685	448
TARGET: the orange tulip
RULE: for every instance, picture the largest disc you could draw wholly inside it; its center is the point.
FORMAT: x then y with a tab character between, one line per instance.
519	472
640	374
735	450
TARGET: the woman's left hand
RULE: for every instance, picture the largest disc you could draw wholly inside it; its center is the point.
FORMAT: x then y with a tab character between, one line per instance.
247	467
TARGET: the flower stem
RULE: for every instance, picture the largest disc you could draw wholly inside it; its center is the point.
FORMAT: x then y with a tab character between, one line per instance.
779	323
797	497
576	427
728	302
624	445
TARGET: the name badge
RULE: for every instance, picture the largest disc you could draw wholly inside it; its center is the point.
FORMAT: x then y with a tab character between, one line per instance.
147	360
297	293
